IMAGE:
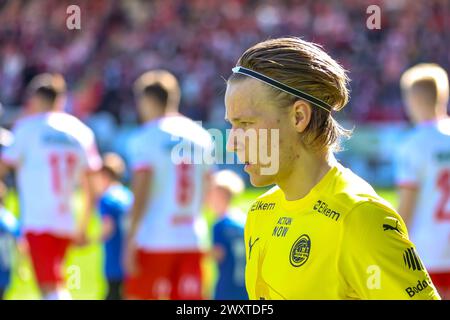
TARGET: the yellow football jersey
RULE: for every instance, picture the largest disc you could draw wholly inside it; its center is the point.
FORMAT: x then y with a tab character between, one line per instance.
341	241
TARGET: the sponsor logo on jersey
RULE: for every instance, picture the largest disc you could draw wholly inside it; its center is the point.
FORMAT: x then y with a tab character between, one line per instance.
389	227
282	227
263	206
58	138
412	260
322	207
393	224
417	288
300	251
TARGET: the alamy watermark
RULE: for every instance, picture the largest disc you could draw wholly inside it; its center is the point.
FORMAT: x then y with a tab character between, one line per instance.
374	19
73	273
256	146
73	21
374	277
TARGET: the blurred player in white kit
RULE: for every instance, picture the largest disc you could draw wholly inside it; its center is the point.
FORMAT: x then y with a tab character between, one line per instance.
423	172
167	231
52	152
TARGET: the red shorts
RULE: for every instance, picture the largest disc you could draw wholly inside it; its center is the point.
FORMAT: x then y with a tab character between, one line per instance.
47	254
174	276
441	281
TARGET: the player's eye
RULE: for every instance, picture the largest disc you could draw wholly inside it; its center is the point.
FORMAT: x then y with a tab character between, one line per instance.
245	123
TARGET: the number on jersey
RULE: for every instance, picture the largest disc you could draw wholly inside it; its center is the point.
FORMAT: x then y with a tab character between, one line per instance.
62	167
443	185
185	185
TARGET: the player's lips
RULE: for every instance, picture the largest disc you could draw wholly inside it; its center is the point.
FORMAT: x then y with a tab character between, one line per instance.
248	165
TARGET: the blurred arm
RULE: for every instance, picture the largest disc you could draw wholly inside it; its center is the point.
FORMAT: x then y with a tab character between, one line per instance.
88	181
207	183
407	202
108	226
4	169
140	186
218	253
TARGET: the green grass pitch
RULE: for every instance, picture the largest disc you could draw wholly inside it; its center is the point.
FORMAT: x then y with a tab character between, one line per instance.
87	262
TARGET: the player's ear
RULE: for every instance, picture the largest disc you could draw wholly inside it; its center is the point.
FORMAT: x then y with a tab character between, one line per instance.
302	115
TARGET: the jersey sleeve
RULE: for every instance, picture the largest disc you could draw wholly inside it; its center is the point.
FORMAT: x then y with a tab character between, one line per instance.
106	207
408	165
9	223
378	261
90	154
218	238
14	153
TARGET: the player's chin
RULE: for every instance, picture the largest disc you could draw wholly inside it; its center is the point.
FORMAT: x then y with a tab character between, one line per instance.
260	180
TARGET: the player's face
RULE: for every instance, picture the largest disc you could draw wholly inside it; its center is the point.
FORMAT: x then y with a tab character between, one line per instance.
102	183
266	140
219	199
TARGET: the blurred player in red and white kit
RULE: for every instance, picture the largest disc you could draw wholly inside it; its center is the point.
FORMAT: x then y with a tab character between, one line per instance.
167	232
423	172
52	152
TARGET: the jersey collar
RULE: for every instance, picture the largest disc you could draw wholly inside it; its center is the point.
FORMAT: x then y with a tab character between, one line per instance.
318	188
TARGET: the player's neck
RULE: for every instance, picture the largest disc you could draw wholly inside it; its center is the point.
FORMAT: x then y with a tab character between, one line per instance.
306	173
113	183
155	117
43	111
430	117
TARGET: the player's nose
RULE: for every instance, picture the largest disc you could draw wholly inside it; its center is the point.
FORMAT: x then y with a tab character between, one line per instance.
233	142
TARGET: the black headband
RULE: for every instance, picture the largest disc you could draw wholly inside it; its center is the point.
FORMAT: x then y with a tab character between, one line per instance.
281	86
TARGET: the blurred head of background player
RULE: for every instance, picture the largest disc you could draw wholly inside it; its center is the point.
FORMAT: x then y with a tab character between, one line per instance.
111	172
423	169
225	184
157	93
425	91
308	134
46	92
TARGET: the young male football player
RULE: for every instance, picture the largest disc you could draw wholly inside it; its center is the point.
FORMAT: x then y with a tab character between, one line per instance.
423	170
51	152
114	202
228	236
167	231
322	232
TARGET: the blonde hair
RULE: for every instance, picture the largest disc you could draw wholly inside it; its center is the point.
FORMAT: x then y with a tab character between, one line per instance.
431	78
304	66
164	80
114	165
54	84
54	81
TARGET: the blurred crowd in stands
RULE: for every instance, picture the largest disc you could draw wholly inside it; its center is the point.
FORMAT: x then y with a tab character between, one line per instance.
200	41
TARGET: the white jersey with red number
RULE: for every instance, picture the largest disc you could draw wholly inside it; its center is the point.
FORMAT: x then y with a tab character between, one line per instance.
424	163
173	219
50	151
